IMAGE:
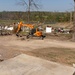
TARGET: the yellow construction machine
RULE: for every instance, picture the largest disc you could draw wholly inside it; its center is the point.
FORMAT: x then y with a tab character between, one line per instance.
33	31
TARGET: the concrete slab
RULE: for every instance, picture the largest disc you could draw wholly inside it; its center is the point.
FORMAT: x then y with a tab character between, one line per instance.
29	65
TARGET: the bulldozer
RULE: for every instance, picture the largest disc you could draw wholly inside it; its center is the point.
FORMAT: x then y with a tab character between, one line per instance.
34	32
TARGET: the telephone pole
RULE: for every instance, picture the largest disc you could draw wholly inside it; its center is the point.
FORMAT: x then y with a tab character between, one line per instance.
70	16
73	37
29	4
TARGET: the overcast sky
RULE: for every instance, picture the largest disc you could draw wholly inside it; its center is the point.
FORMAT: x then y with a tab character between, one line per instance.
45	5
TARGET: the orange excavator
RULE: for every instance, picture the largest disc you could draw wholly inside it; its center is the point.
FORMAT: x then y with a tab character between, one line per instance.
33	31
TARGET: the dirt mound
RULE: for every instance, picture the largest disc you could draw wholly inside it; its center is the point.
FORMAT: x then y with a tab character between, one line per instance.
28	65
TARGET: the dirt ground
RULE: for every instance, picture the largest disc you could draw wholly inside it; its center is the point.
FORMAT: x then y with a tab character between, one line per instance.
51	48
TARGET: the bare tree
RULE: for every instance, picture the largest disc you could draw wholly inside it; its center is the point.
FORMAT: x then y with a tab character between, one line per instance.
30	5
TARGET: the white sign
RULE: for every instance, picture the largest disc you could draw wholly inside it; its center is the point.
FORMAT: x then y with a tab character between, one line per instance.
48	29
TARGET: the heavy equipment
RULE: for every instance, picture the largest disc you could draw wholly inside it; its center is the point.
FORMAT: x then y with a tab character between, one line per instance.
33	31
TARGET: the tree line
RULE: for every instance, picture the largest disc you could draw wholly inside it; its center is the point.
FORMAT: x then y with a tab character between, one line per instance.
46	17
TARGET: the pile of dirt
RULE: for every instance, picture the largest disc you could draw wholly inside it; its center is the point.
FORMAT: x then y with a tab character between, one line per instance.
29	65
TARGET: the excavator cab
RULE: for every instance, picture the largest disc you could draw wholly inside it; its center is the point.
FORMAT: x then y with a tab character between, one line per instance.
35	33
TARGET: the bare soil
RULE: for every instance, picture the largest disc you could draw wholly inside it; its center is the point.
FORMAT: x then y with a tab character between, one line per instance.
53	48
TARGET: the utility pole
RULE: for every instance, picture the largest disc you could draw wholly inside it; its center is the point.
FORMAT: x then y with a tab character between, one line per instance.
73	37
29	4
70	16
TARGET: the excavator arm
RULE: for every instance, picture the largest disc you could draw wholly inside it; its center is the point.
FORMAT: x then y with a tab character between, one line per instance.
26	25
